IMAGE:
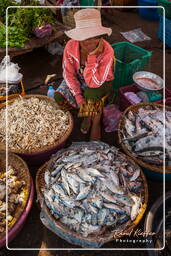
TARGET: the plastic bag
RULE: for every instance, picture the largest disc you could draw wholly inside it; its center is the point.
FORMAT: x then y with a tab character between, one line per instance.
55	48
11	70
133	98
111	115
135	35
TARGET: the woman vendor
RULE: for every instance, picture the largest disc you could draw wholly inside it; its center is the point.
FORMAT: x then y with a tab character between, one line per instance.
87	69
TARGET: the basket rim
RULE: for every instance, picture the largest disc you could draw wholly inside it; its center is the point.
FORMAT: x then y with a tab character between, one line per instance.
44	148
101	238
129	153
27	186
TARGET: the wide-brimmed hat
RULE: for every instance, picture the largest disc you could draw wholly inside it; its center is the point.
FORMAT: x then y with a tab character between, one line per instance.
88	25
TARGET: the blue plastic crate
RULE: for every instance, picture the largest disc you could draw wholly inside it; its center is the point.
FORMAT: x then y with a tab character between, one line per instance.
167	31
148	13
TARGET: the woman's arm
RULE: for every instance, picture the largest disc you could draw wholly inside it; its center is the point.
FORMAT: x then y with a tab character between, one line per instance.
69	74
98	71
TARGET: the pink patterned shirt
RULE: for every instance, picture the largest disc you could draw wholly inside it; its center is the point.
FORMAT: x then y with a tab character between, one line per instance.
98	69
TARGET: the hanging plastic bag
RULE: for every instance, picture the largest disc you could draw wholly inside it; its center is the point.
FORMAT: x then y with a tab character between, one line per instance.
11	70
135	35
111	115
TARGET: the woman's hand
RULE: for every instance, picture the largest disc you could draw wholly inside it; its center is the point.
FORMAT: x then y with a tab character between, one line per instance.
81	103
99	48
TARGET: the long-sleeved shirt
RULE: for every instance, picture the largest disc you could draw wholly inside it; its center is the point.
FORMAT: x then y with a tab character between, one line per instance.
98	69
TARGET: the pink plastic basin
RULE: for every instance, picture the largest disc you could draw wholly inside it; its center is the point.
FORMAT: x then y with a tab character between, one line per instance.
20	223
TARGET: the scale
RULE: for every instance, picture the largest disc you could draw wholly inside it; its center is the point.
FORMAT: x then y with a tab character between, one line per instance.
148	94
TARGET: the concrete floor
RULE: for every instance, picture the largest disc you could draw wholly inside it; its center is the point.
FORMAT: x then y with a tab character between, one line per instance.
35	66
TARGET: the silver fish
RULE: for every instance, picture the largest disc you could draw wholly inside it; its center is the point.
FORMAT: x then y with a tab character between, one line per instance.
73	184
135	175
93	172
102	215
124	199
47	178
83	175
112	187
115	208
58	169
65	182
136	206
84	191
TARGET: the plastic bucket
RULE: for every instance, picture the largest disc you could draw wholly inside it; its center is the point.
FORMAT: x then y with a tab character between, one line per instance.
148	13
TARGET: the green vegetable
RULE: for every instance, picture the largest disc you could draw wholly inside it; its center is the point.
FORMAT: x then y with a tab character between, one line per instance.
16	37
3	5
22	21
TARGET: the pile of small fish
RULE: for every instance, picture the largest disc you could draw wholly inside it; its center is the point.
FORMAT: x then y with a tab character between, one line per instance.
143	134
15	196
32	124
90	187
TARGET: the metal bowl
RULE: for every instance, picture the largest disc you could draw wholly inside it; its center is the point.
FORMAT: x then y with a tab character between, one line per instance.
144	74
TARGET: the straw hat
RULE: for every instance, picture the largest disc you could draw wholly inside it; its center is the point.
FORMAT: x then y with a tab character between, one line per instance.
88	25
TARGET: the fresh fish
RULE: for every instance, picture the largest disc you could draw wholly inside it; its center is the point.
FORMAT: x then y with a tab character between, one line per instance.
72	158
155	161
93	172
47	178
112	187
58	189
130	128
88	218
114	178
83	175
134	186
73	184
78	215
124	199
84	191
58	169
77	178
135	175
108	197
123	218
96	202
102	215
136	206
87	229
115	208
94	219
67	201
64	181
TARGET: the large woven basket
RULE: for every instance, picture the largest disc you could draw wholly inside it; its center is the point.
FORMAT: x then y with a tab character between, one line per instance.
45	148
75	238
23	174
134	109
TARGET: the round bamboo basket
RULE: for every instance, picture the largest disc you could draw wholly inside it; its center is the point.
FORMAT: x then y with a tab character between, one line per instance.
23	174
58	142
134	109
75	238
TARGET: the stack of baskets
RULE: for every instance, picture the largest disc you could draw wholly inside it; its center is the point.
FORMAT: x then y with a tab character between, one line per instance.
24	208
